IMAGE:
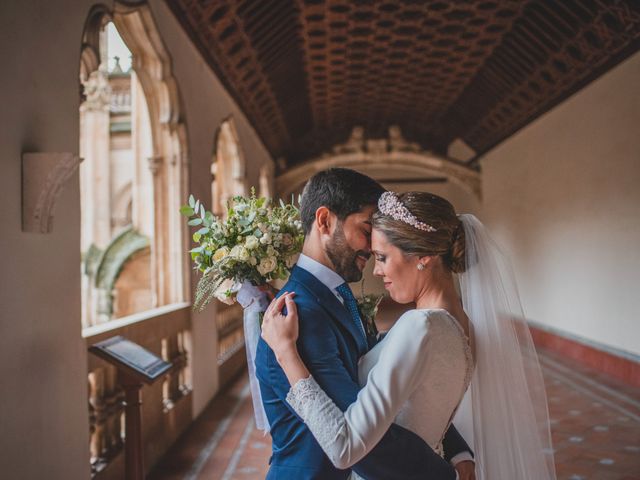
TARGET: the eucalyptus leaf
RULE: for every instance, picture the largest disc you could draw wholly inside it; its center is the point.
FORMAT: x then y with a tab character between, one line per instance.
192	201
186	210
196	237
204	231
202	212
194	222
196	207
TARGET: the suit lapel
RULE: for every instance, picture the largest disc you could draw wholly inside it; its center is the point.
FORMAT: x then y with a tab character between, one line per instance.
327	300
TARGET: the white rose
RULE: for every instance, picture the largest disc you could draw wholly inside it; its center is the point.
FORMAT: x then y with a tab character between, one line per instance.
266	238
267	265
240	252
220	254
253	261
287	239
251	242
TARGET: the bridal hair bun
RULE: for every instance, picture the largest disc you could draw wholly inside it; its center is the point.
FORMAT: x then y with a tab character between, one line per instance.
457	254
422	224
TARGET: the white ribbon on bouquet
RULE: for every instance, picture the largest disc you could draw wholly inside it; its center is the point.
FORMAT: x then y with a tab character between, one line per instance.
254	302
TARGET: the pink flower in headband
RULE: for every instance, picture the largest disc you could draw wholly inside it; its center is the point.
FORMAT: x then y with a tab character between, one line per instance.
389	204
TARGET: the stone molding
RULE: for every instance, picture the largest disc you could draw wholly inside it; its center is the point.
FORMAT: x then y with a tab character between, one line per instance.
43	177
372	155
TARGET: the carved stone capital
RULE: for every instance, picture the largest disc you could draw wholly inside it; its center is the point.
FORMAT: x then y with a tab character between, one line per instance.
43	176
96	91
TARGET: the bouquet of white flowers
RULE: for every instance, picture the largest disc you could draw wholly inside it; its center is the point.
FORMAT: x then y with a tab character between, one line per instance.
256	243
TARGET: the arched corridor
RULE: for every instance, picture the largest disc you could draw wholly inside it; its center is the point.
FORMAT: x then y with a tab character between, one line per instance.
524	113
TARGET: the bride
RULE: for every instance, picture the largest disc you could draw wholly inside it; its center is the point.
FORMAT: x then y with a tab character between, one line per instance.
467	360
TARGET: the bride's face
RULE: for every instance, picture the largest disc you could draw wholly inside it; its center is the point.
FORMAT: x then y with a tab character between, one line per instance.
398	271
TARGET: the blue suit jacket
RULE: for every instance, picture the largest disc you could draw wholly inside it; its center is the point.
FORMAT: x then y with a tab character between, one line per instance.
327	344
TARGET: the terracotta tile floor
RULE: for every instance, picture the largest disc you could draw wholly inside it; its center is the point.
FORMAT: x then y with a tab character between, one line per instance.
595	426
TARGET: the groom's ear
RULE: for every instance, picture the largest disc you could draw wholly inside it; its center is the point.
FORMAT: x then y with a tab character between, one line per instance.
325	219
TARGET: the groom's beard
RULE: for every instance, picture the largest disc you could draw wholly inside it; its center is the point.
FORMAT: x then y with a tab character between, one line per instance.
343	257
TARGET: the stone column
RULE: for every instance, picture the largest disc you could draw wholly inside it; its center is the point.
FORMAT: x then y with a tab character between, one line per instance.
158	244
95	176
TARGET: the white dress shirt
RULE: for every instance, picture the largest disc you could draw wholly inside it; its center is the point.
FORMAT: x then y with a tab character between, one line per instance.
324	274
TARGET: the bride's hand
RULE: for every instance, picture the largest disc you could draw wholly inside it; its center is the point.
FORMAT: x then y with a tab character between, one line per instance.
278	330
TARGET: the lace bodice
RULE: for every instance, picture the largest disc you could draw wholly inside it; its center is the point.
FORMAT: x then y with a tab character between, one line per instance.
415	377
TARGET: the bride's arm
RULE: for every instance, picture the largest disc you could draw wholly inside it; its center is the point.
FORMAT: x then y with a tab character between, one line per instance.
347	437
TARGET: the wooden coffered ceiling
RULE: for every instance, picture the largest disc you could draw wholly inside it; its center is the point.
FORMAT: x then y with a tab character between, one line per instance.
305	72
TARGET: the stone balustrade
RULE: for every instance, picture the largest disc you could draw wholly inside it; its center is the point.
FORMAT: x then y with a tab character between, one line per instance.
231	351
166	408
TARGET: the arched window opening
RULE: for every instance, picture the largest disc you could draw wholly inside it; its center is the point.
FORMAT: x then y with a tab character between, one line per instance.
227	169
116	186
134	170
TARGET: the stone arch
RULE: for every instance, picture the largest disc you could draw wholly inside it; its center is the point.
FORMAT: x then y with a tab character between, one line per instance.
110	264
168	162
382	157
98	17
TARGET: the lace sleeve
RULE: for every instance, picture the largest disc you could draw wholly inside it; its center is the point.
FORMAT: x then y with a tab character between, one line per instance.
347	437
323	417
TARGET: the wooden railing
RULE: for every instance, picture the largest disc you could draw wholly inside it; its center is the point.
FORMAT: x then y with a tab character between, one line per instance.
166	408
231	351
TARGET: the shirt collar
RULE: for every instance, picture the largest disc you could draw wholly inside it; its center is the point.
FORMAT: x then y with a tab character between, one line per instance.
323	273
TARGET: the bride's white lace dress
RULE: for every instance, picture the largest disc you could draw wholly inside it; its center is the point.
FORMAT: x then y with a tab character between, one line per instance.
415	377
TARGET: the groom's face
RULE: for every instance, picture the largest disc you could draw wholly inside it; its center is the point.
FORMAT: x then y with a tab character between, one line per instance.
349	247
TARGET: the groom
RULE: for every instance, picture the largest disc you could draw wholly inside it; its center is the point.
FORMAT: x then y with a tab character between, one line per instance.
336	209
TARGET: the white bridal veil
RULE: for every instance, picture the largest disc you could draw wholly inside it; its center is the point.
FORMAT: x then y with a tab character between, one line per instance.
504	413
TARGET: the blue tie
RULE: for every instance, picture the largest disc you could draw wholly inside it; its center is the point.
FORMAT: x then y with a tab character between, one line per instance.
351	304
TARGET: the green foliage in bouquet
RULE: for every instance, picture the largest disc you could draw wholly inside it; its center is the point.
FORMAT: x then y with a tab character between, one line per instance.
257	242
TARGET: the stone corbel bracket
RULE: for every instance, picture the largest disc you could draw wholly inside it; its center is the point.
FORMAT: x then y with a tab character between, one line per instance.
43	176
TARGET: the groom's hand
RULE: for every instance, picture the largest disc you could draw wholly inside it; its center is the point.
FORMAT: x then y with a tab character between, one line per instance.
466	470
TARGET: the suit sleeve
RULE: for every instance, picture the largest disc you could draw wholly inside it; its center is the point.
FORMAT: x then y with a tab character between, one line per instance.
376	449
454	444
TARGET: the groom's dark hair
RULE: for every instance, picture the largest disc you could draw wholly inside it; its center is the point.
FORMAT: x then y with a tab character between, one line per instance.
341	190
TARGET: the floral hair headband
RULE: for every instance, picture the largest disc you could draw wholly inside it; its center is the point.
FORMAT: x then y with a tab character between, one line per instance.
389	204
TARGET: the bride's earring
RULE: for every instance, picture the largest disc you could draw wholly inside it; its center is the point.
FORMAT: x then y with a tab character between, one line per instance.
420	266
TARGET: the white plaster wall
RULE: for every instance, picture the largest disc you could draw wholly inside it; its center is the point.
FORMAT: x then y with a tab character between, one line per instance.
43	406
562	196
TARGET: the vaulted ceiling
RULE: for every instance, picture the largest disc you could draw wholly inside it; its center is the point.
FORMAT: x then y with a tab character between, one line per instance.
305	72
